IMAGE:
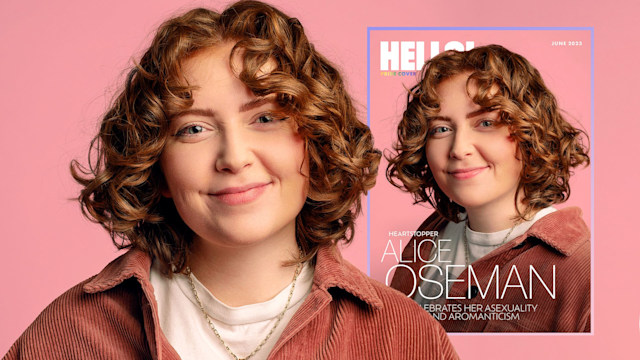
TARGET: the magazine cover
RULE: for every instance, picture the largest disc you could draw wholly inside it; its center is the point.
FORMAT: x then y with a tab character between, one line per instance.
501	290
64	64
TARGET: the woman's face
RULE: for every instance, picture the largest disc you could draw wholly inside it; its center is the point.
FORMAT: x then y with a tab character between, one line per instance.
236	172
472	157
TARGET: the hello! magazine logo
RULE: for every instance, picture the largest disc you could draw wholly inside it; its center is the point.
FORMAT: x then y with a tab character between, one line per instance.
406	58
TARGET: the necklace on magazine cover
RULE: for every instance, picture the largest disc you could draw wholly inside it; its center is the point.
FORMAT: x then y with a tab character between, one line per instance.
466	242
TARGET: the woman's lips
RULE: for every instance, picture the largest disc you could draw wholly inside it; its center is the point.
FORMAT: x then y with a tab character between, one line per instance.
467	173
241	194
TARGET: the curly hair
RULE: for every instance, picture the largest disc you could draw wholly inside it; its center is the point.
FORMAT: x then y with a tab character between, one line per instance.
548	146
123	180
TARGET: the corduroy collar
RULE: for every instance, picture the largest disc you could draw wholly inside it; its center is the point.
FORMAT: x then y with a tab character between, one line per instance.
563	230
331	271
133	264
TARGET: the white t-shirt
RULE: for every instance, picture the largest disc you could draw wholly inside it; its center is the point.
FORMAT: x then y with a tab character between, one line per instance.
452	252
242	328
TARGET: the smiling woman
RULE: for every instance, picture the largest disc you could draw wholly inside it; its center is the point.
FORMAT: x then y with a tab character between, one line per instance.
252	185
483	141
231	165
225	168
471	154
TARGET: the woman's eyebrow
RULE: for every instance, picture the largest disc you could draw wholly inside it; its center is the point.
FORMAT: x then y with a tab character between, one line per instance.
478	112
440	118
199	112
469	115
257	102
252	104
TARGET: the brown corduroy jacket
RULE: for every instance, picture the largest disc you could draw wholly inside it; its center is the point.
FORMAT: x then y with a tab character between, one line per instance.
560	238
114	315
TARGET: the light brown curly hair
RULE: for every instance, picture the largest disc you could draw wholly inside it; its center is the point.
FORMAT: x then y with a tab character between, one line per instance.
548	146
123	180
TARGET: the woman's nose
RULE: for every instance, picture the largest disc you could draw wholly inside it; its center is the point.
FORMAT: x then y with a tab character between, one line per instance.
233	153
462	144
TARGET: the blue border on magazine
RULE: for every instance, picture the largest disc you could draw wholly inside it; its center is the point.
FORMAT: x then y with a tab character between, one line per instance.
591	135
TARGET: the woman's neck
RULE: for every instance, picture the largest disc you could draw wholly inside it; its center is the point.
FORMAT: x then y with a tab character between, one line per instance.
493	217
243	275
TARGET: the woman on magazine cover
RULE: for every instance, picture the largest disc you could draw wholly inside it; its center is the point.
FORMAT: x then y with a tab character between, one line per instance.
231	165
483	141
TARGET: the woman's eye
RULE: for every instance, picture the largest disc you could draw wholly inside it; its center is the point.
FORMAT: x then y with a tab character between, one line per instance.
486	123
190	130
264	119
269	120
439	130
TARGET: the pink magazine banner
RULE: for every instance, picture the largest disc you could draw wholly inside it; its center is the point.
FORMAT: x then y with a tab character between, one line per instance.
62	62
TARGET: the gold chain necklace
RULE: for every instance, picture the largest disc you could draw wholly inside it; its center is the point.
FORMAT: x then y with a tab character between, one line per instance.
273	328
466	242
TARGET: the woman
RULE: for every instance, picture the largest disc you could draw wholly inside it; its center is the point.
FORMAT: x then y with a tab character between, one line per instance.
231	164
482	140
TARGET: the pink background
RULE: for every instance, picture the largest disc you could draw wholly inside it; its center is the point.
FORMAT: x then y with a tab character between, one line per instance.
565	69
62	62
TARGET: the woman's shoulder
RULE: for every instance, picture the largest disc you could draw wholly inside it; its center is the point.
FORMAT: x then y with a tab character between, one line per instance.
402	309
90	321
565	232
434	222
334	273
399	319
